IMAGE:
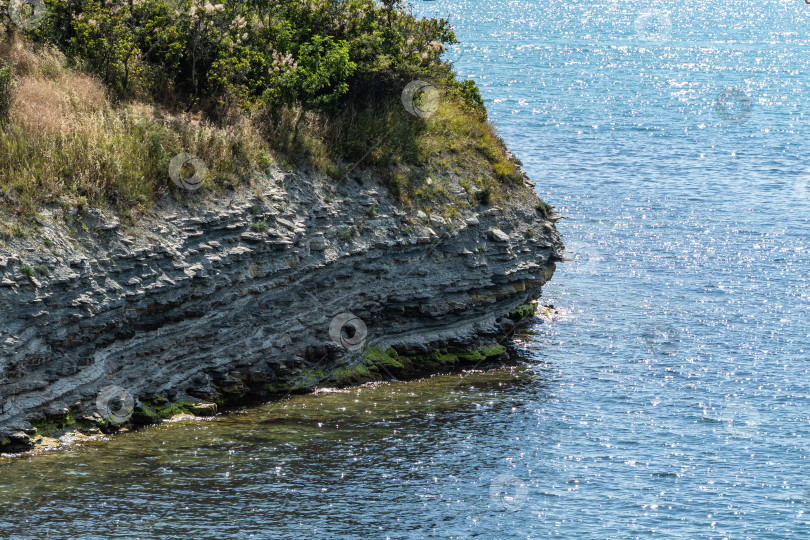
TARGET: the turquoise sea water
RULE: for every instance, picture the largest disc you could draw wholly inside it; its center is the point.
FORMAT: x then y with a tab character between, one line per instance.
671	396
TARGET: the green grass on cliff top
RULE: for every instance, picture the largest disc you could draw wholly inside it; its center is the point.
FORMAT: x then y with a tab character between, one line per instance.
72	137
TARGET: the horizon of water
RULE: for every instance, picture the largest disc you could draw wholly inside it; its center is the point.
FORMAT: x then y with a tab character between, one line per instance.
670	396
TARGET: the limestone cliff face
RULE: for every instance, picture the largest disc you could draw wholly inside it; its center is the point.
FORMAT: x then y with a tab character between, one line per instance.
235	294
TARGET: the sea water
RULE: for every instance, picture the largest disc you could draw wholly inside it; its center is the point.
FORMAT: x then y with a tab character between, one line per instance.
669	397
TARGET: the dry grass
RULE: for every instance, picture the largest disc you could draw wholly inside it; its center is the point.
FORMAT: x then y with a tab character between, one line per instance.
66	141
58	106
28	61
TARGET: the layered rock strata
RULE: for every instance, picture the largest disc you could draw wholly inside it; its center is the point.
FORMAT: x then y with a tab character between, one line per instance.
234	295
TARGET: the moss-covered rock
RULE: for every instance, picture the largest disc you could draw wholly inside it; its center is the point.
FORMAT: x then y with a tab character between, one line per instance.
472	356
377	357
53	424
493	350
444	358
154	410
521	312
203	409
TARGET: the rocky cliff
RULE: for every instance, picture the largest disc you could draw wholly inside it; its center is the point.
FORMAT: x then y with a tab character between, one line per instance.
289	284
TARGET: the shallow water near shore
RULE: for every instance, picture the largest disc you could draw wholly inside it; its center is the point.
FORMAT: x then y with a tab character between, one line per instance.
669	398
293	467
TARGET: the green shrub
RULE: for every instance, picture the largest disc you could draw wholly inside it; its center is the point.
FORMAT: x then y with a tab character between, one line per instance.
347	233
219	55
545	209
484	196
469	93
260	227
506	171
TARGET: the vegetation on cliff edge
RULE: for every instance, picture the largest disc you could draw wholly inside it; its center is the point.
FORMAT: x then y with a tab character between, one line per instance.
100	95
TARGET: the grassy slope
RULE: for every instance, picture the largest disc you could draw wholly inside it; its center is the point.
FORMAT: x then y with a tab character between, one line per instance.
68	144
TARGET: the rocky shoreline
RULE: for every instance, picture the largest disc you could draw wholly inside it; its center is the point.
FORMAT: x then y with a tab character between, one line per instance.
290	284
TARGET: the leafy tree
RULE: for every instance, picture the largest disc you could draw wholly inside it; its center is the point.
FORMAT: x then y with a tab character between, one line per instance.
260	53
